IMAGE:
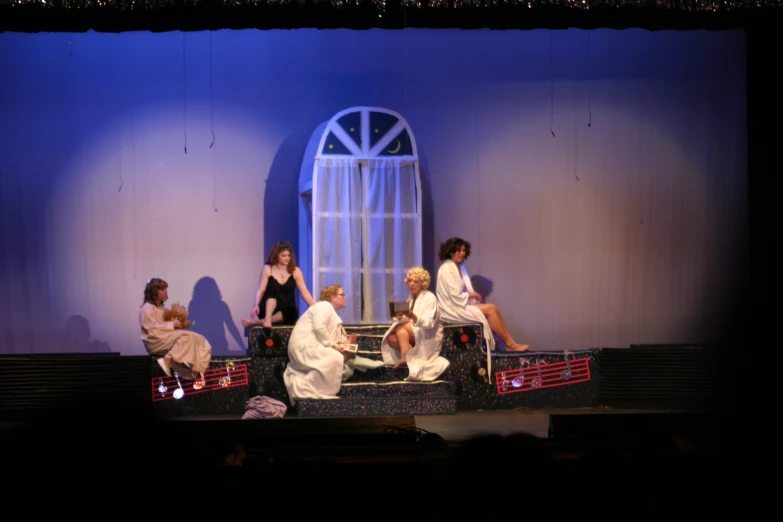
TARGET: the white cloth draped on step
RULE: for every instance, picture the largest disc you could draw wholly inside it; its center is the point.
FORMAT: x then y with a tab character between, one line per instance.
424	360
315	368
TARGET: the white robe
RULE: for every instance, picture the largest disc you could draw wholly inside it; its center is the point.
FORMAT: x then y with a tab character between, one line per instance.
456	306
315	368
424	360
190	352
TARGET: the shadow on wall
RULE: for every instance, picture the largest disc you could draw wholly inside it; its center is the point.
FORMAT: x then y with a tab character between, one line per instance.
429	248
483	286
281	200
77	337
211	317
74	338
281	197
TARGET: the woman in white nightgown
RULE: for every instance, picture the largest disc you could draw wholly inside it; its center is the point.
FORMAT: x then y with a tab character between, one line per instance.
188	353
315	349
415	338
459	302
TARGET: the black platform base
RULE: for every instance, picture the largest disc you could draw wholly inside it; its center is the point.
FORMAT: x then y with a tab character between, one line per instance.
684	377
371	406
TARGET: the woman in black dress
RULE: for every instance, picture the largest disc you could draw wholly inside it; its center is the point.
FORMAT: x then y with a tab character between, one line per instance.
275	299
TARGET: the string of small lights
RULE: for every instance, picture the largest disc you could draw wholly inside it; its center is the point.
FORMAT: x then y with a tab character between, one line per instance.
679	5
122	15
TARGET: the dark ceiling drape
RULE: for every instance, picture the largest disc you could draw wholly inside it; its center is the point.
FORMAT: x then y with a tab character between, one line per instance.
197	15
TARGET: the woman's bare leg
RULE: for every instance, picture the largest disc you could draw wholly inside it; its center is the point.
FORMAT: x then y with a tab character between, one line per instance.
405	340
260	322
270	308
498	325
167	361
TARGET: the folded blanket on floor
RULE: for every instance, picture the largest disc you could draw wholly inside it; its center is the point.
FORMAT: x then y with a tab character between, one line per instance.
261	407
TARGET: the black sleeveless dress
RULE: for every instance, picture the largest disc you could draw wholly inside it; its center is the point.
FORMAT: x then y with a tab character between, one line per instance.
286	301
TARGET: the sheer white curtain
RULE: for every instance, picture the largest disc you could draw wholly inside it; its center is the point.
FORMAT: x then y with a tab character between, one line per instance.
366	232
391	235
337	231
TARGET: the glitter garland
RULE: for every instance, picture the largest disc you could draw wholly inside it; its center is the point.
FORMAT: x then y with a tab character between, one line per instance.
164	15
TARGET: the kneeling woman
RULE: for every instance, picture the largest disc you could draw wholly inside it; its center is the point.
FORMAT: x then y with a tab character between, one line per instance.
416	337
187	352
316	349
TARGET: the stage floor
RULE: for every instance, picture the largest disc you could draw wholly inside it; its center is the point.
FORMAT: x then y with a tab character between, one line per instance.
467	425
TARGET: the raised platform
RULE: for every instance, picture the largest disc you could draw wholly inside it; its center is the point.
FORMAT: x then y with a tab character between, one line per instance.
468	382
641	376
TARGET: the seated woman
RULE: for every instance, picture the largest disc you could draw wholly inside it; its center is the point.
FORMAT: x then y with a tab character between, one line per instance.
459	302
416	337
187	352
316	349
275	300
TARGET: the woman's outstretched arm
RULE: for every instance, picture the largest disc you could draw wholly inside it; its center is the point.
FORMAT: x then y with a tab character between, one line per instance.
300	284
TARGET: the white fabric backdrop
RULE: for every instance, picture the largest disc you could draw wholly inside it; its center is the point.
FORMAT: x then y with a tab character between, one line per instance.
98	195
392	233
337	189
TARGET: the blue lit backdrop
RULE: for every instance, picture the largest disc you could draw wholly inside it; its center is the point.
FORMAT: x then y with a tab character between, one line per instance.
629	230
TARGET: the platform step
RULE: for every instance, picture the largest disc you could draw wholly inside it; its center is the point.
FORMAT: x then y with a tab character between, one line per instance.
396	389
273	342
375	406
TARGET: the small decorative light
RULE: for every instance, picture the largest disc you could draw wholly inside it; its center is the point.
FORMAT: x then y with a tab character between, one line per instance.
226	379
179	392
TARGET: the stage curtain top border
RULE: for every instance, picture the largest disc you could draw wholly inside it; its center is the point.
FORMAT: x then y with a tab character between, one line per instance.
196	15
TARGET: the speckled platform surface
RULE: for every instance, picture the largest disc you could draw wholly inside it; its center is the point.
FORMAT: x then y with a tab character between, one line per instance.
467	375
475	392
396	389
375	406
467	383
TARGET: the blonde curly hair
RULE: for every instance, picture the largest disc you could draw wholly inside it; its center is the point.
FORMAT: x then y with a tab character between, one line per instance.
418	273
329	292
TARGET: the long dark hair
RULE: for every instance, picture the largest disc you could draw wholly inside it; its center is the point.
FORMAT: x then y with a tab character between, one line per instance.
280	247
151	290
451	245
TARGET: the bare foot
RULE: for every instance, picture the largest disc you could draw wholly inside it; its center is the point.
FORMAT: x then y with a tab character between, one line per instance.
251	322
516	347
401	363
267	324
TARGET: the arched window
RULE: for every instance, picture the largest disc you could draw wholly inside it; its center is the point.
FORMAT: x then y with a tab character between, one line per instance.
360	210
